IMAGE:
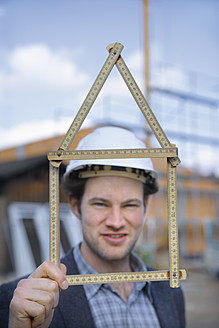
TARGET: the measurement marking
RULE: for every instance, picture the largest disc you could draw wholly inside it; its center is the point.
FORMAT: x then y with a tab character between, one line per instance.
91	97
54	236
113	153
173	225
167	151
145	108
103	278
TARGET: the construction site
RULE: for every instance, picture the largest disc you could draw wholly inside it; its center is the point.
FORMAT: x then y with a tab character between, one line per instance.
25	209
189	115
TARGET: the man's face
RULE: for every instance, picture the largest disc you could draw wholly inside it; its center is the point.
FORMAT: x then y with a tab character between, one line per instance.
112	214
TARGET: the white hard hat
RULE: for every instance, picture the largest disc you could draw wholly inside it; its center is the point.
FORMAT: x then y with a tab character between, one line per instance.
111	138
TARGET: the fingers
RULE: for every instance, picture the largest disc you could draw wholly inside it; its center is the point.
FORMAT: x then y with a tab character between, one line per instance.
42	290
63	268
52	271
33	303
36	297
23	312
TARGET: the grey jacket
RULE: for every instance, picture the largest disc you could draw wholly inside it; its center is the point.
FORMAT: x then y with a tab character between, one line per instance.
73	310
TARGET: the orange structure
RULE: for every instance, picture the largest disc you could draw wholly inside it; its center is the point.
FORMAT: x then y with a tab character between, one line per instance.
24	178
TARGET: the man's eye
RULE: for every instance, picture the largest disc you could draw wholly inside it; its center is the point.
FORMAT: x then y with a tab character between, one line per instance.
131	205
98	204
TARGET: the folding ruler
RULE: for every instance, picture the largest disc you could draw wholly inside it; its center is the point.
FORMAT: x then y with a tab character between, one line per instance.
167	150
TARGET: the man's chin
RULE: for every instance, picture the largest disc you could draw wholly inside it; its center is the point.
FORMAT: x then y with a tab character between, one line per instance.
111	253
114	256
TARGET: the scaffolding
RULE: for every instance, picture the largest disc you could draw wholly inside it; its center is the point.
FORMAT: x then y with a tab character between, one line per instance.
190	114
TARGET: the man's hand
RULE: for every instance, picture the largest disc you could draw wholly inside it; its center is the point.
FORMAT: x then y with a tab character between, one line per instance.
36	297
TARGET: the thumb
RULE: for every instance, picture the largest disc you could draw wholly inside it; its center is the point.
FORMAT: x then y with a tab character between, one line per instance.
63	268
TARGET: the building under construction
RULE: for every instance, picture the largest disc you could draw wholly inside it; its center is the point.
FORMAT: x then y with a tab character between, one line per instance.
24	211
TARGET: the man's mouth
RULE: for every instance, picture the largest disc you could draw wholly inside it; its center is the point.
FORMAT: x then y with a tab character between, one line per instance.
115	238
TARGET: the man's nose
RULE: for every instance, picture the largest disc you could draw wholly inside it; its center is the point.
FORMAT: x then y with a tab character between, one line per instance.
115	218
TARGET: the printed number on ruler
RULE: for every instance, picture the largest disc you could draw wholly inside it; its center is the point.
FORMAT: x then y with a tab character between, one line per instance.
143	105
54	214
92	95
111	153
104	278
173	225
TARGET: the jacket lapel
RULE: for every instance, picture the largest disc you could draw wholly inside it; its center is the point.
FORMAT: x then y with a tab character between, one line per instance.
164	305
73	304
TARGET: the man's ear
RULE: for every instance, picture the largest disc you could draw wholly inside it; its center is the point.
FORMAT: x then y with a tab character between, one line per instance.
74	206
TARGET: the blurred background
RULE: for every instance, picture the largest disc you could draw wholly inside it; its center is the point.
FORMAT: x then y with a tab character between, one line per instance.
50	54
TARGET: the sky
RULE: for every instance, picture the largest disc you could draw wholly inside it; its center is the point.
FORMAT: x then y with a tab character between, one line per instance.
51	52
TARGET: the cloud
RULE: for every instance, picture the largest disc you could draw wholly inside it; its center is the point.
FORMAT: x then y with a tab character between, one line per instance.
203	161
169	77
32	131
38	65
33	73
35	81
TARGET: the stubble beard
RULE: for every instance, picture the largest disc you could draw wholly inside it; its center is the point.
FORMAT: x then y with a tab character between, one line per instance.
101	251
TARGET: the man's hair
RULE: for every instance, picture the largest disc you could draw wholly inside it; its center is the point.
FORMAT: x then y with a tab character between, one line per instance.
74	186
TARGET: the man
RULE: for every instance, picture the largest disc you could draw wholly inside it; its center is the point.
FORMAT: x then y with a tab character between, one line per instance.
110	198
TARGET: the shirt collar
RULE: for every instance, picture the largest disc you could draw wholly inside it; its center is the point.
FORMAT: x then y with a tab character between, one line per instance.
84	268
138	265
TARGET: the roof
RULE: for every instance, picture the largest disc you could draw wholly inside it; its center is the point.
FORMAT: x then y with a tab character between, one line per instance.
12	169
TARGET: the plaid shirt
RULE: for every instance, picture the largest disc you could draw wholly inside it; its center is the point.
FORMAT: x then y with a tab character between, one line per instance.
109	309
